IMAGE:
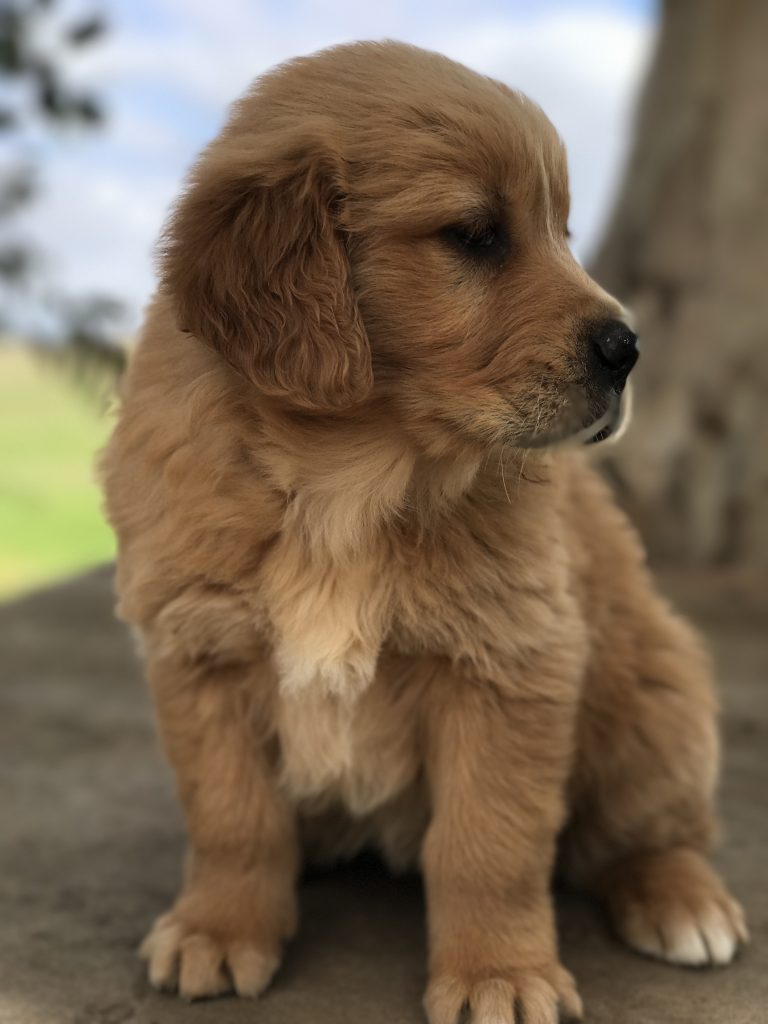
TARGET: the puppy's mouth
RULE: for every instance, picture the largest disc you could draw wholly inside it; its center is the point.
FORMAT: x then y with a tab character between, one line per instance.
614	421
610	425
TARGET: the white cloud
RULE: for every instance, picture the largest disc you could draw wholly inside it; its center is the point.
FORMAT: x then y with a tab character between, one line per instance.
98	227
106	199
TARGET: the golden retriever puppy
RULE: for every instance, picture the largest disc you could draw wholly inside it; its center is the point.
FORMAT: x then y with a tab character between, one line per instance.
380	603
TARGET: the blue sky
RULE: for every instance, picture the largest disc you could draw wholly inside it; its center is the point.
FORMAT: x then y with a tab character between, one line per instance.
169	68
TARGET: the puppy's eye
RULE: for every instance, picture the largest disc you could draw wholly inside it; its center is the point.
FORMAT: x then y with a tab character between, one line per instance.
476	240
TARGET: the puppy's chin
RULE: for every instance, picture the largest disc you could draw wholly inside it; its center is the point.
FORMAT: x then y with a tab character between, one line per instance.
607	428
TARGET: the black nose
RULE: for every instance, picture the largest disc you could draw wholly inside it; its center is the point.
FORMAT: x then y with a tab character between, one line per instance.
614	351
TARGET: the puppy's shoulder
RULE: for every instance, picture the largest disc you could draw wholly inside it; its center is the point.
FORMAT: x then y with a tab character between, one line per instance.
185	489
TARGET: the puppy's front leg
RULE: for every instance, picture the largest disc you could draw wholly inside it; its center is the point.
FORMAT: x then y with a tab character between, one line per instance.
497	772
238	903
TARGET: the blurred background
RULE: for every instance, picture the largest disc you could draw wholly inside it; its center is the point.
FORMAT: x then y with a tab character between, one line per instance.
664	110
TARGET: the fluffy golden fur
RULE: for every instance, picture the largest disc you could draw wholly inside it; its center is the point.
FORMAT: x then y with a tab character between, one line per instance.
378	605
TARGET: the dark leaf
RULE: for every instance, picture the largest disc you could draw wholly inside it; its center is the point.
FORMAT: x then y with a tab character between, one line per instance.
11	47
86	31
88	110
16	190
15	262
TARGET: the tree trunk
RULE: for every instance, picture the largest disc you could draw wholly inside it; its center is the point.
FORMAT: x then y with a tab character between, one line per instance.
688	251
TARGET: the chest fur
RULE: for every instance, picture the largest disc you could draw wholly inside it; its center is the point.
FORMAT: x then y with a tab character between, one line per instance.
358	753
480	583
328	613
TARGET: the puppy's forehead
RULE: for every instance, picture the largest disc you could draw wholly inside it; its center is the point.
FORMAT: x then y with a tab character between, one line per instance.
416	123
437	160
419	135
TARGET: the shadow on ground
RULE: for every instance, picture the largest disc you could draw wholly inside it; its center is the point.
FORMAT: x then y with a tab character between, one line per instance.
90	848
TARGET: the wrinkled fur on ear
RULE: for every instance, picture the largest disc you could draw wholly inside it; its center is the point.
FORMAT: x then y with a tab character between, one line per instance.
258	269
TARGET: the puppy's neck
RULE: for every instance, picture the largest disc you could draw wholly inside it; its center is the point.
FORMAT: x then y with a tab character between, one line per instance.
346	481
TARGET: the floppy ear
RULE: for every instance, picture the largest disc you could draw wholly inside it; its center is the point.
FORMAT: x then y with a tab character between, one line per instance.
258	269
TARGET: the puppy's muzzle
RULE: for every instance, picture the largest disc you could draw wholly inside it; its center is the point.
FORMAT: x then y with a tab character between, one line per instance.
612	354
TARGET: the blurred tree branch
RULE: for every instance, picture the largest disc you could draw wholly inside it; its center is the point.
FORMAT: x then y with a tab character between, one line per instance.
36	92
21	58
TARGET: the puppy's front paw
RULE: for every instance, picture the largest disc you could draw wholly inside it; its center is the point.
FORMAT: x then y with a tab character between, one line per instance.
200	964
542	996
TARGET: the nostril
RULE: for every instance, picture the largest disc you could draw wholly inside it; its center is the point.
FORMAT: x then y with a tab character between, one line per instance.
615	347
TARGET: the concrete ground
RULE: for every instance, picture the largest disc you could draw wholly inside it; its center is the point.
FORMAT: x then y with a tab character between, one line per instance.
91	842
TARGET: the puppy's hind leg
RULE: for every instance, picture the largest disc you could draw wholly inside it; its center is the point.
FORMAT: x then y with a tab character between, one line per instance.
641	799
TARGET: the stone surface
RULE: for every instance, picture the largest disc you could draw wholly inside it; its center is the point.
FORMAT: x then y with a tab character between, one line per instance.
91	842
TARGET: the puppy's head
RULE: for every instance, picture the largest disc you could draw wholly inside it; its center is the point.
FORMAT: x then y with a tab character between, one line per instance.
379	223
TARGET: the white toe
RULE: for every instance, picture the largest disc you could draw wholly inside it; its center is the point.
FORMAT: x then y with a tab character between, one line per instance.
685	944
719	937
641	934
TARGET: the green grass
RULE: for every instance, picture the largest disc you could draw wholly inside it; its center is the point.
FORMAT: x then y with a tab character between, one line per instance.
50	508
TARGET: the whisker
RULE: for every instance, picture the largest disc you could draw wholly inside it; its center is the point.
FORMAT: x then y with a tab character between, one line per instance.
520	475
539	403
503	478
